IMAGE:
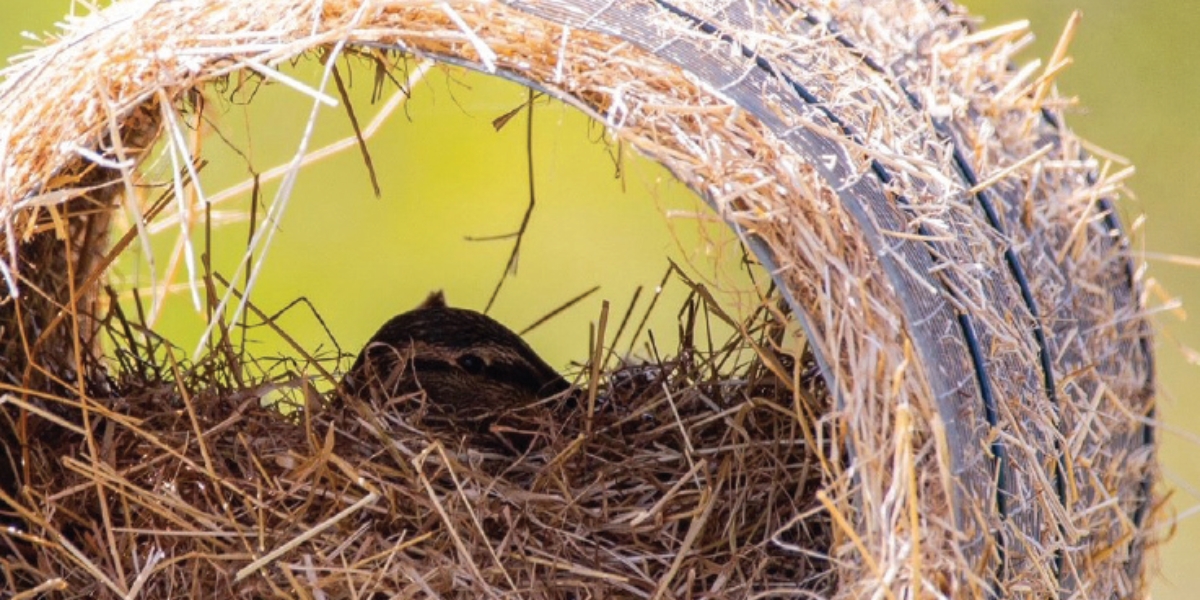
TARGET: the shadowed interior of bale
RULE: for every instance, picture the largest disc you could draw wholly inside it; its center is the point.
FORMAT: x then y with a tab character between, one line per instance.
998	428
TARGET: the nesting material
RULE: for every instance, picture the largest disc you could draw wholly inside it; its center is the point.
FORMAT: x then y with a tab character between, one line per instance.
949	247
692	476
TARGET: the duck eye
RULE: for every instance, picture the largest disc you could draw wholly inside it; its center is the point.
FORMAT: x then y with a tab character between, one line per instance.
471	364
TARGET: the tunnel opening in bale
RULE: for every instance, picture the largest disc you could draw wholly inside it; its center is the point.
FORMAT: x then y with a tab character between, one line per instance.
947	246
692	470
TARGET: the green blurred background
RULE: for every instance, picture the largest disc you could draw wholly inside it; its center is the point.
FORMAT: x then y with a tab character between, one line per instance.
447	174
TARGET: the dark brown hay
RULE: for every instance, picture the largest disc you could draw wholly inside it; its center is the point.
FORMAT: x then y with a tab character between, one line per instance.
698	480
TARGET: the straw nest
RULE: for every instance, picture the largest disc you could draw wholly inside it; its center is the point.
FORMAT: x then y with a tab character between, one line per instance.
949	249
681	477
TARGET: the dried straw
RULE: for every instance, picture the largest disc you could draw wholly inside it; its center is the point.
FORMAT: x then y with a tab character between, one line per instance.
949	248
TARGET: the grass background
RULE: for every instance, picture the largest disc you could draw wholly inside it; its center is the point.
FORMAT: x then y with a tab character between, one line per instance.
446	174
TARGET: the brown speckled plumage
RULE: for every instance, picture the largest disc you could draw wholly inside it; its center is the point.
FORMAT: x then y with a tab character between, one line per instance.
466	363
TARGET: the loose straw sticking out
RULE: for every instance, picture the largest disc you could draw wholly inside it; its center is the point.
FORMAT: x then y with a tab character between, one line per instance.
317	95
386	111
597	361
260	243
848	530
177	147
990	34
486	56
50	585
1006	172
908	475
1058	59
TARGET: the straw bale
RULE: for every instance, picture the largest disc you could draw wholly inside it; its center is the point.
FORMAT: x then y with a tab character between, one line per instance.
948	247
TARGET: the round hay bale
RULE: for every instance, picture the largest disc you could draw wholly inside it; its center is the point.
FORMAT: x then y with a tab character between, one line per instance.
950	250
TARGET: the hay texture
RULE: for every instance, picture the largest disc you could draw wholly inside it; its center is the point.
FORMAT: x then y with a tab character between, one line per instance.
948	247
682	479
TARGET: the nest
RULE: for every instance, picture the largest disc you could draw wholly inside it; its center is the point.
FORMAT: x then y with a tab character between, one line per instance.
682	477
947	245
